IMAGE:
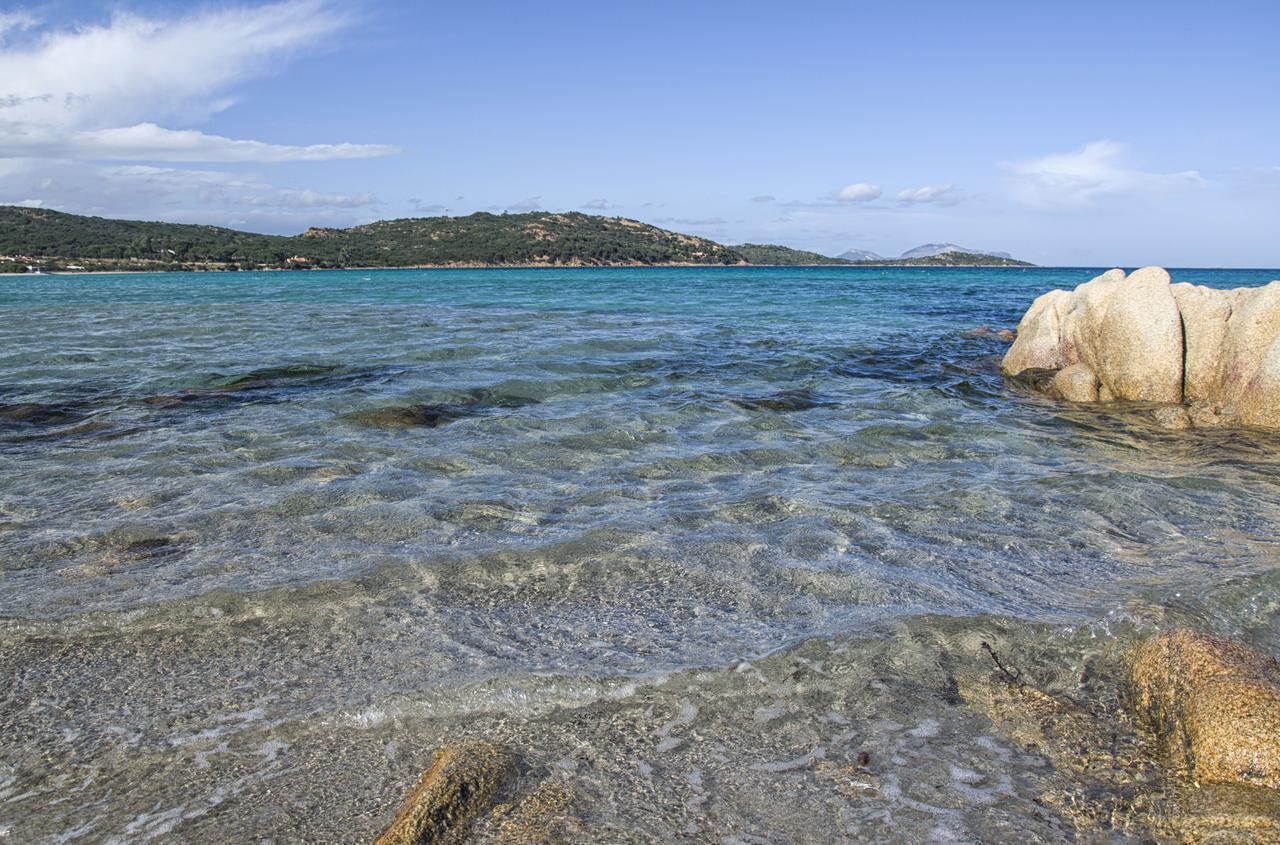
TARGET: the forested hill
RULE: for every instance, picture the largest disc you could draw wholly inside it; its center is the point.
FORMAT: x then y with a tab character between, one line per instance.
783	255
56	240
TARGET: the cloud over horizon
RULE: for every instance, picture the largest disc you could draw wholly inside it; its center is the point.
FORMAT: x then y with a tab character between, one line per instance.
92	94
1075	181
929	194
858	192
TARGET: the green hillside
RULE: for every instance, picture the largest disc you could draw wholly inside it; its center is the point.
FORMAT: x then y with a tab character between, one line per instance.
54	240
535	238
783	255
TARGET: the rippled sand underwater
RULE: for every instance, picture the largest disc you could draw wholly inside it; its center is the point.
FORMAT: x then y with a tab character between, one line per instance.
717	551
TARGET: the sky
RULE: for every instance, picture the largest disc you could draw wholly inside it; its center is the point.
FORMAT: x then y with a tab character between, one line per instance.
1119	133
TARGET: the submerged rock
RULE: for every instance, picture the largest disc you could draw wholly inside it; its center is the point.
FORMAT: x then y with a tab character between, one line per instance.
21	416
1103	776
409	416
1006	335
544	815
784	400
1214	703
1142	338
463	781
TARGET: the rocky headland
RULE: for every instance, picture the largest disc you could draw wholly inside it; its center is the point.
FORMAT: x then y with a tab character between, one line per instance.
1212	357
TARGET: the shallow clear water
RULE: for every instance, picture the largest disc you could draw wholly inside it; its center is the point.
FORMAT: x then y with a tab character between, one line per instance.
296	528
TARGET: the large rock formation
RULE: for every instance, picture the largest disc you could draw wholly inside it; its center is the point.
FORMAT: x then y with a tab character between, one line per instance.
1142	338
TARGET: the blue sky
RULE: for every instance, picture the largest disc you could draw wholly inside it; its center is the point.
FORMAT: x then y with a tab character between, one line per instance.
1083	133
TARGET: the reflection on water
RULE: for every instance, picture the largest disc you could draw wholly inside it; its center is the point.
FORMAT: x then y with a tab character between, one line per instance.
693	540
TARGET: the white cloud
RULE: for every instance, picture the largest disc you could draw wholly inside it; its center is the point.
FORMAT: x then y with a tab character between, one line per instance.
112	92
177	194
596	205
93	92
928	193
858	192
136	68
1073	181
763	198
237	189
149	142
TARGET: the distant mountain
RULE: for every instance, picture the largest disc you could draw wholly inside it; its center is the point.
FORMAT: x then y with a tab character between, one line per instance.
949	259
861	255
783	255
930	250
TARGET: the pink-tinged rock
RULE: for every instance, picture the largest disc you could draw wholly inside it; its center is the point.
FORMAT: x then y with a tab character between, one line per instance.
1252	328
1259	402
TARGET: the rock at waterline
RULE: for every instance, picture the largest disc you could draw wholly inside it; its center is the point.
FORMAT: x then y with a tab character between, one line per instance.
1076	383
1142	338
1214	703
463	781
986	331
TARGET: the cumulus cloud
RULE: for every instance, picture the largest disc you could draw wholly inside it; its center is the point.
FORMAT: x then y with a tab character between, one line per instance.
596	205
113	92
858	192
1076	180
135	68
928	193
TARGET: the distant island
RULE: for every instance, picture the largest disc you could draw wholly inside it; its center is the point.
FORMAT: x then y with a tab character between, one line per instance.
937	255
949	259
773	254
53	241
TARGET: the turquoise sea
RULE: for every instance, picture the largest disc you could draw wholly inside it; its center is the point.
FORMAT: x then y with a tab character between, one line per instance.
689	539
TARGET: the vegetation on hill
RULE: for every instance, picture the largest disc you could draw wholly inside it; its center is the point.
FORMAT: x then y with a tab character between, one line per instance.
783	255
535	238
54	240
42	234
